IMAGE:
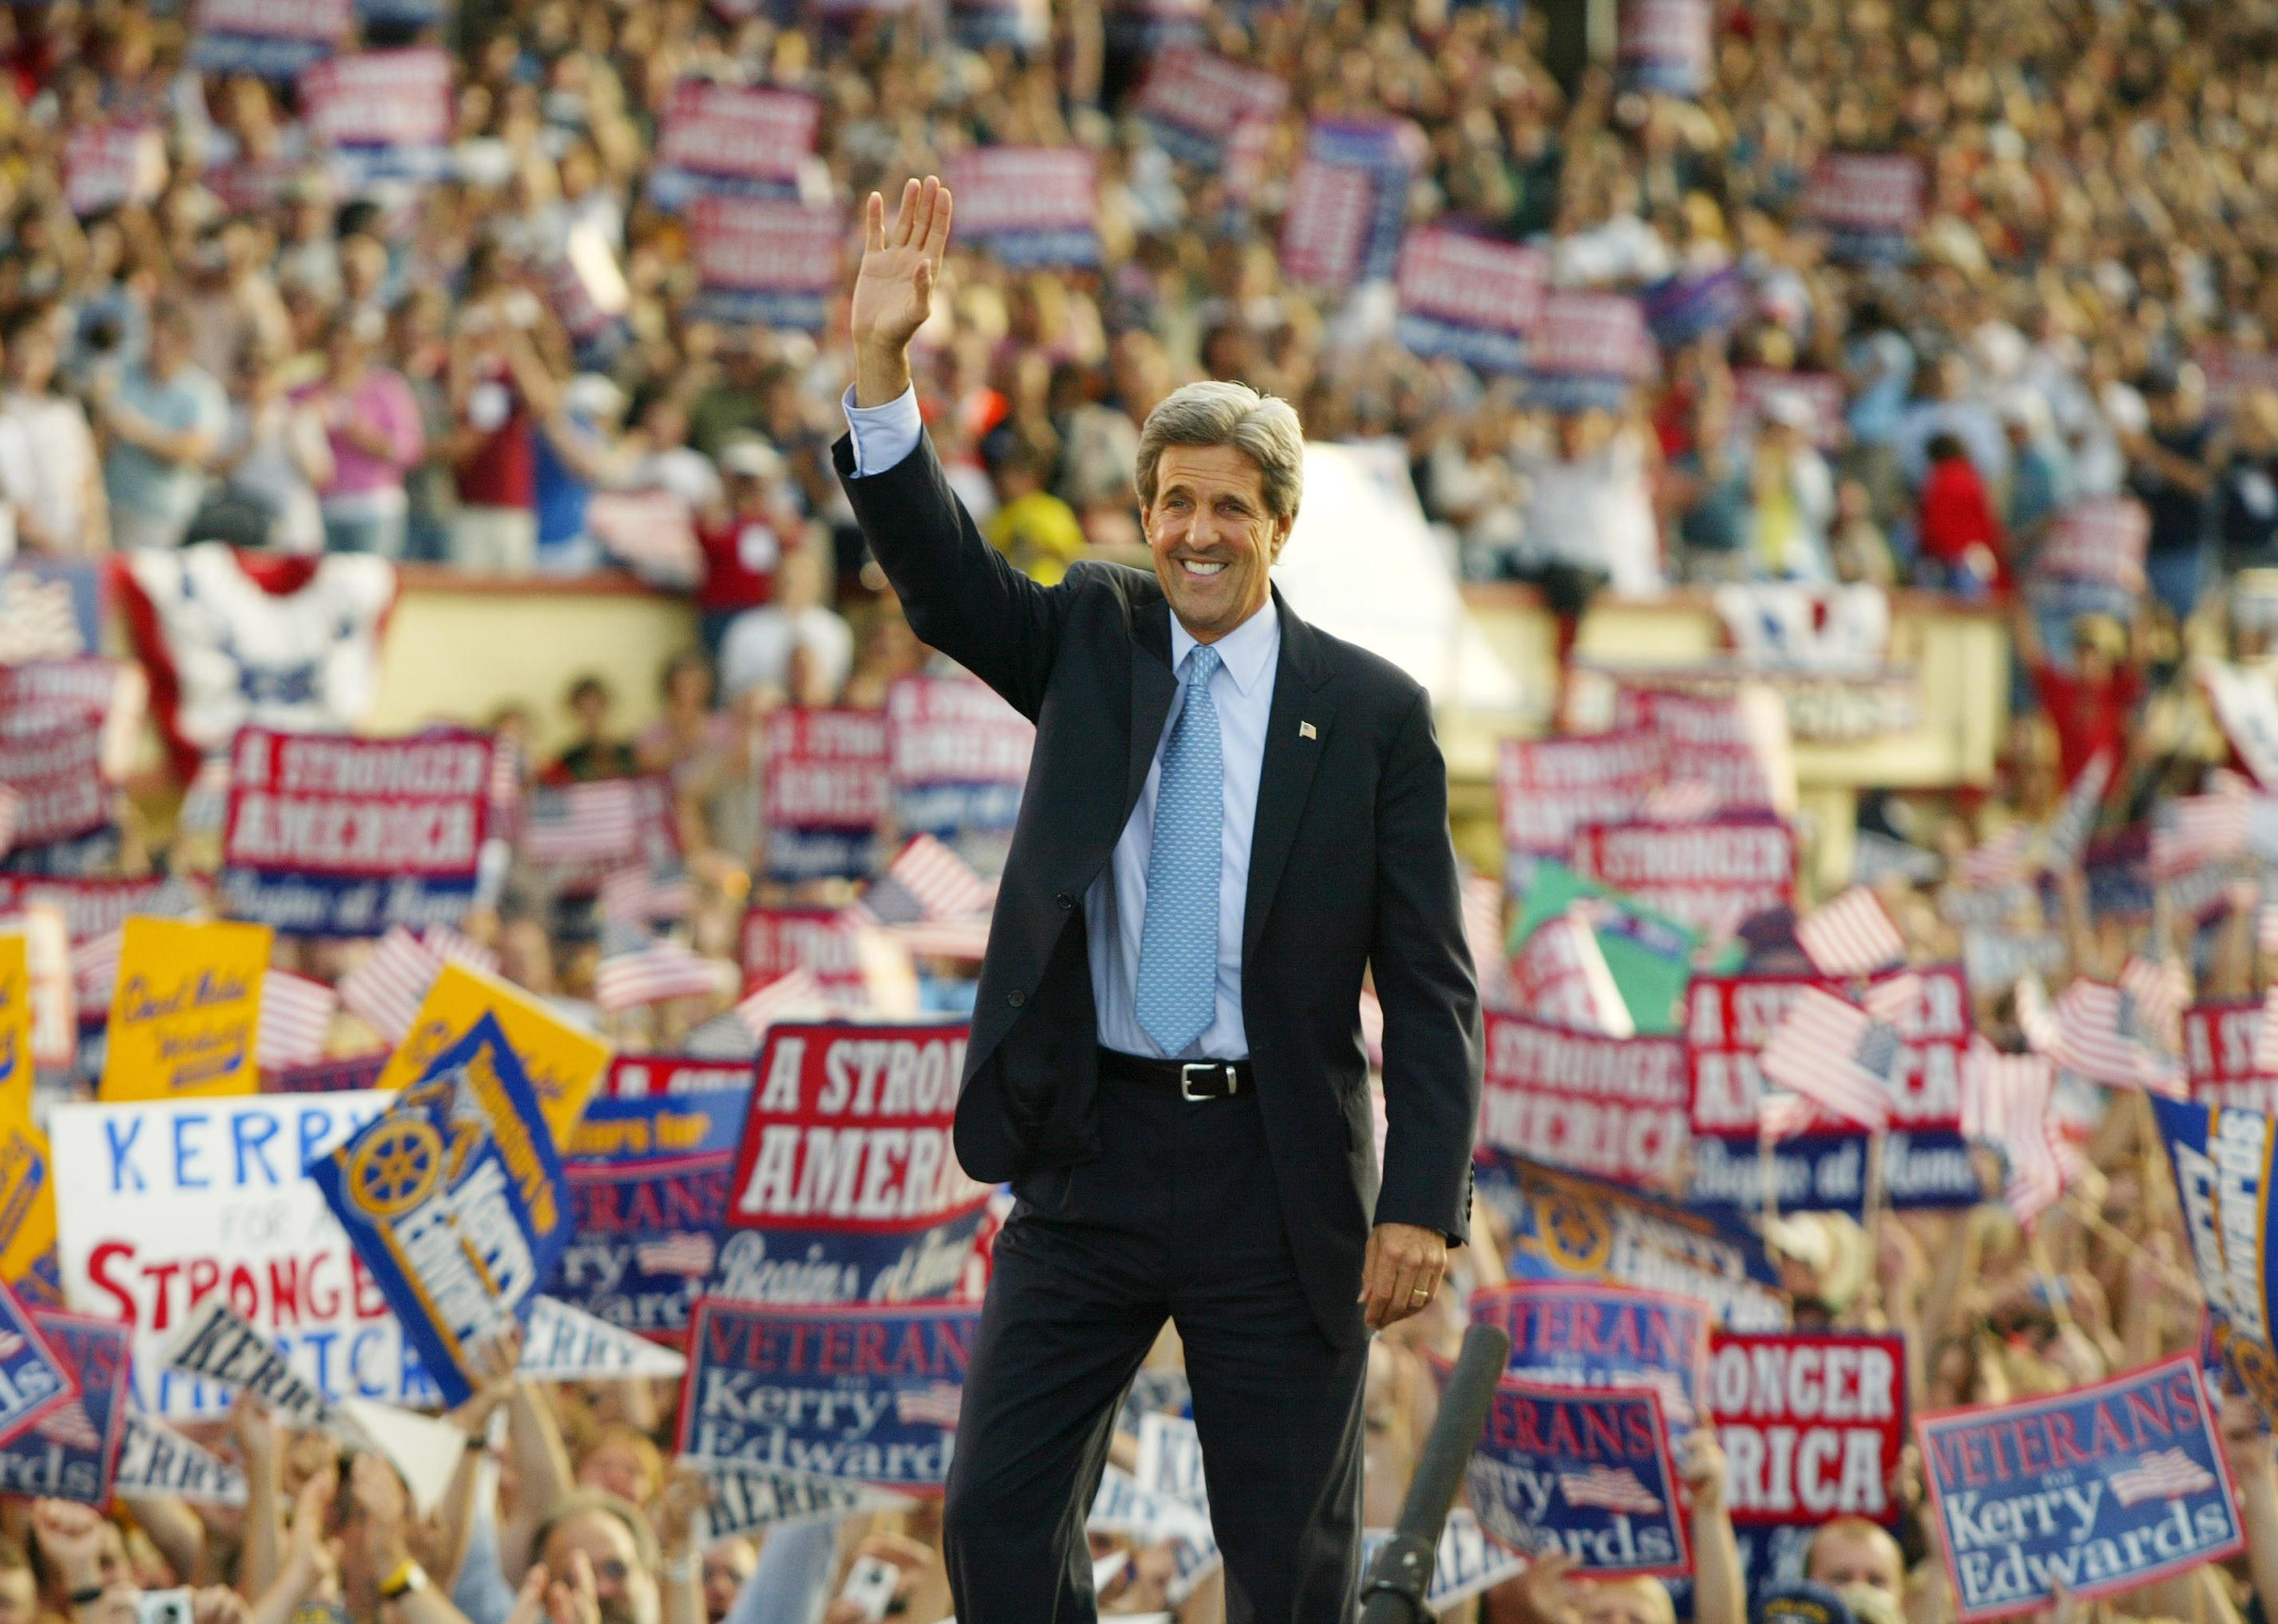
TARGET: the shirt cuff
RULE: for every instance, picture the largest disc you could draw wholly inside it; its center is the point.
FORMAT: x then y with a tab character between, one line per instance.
884	435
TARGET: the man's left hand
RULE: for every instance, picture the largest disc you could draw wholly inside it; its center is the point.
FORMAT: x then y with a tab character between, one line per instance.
1400	1273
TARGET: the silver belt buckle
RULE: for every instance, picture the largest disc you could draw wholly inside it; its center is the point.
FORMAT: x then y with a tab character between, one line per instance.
1186	1074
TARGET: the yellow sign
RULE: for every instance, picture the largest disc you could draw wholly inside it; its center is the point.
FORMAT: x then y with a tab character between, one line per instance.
28	1198
187	1013
563	1059
15	1026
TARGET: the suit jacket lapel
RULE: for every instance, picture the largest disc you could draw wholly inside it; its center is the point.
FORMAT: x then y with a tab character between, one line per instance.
1292	754
1153	686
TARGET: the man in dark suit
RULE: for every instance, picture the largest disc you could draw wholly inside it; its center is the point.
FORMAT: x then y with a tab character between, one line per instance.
1228	816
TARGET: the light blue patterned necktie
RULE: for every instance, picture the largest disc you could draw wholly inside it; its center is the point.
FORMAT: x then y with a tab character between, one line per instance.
1178	943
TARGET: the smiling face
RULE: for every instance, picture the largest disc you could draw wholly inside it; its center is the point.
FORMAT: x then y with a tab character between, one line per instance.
1212	537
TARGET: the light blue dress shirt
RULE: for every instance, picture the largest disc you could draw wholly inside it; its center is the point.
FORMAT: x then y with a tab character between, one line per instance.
1115	906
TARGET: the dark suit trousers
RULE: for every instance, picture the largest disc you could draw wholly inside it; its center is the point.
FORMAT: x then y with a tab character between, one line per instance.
1178	1217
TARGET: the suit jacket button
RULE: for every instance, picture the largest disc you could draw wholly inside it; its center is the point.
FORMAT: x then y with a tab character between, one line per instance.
1065	900
1016	998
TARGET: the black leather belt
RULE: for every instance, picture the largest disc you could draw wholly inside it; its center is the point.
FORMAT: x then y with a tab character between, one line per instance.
1187	1079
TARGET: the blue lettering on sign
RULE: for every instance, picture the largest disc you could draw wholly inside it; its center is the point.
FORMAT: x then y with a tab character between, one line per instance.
252	1133
187	1151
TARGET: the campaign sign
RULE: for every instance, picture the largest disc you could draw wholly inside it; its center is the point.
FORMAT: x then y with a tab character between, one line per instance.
1193	100
1588	349
818	940
154	1458
960	755
185	1010
828	784
109	163
39	696
562	1060
1031	207
2101	1488
1586	1472
846	1187
1467	1564
1811	1423
170	1206
332	836
384	115
1566	1228
1706	875
1348	202
1470	297
652	1076
27	1206
34	1379
70	1453
1548	788
648	1195
1579	1334
724	140
451	1199
862	1395
2100	539
1663	45
15	1025
1755	386
2221	1155
91	907
768	262
271	39
1827	1172
1869	204
1730	1018
743	1500
2219	1047
57	775
1612	1107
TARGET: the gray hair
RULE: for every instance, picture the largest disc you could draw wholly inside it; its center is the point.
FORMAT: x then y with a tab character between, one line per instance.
1212	413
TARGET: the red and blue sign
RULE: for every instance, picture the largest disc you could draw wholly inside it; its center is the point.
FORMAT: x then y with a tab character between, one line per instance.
1348	202
72	1452
2098	1490
1032	208
1589	1473
767	262
1470	296
1579	1334
858	1395
34	1380
846	1187
960	757
648	1194
745	141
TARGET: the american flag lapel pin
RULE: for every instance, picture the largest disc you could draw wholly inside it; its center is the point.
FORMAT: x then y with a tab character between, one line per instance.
1305	731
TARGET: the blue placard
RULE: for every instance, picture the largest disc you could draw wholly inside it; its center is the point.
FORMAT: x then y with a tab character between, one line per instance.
1586	1472
1579	1334
70	1454
32	1378
862	1395
1827	1172
648	1194
452	1199
2101	1488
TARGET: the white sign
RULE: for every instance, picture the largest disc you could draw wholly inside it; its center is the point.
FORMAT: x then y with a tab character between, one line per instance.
162	1207
565	1343
154	1458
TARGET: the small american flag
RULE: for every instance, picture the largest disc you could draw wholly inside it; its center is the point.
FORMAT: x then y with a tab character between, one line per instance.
927	883
687	1253
581	822
2100	1034
2163	1475
296	1017
2193	830
94	969
1850	935
795	995
1998	862
2005	1102
1894	998
2160	988
11	812
1610	1489
386	988
1835	1055
642	894
937	1406
2076	815
68	1425
453	948
650	975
